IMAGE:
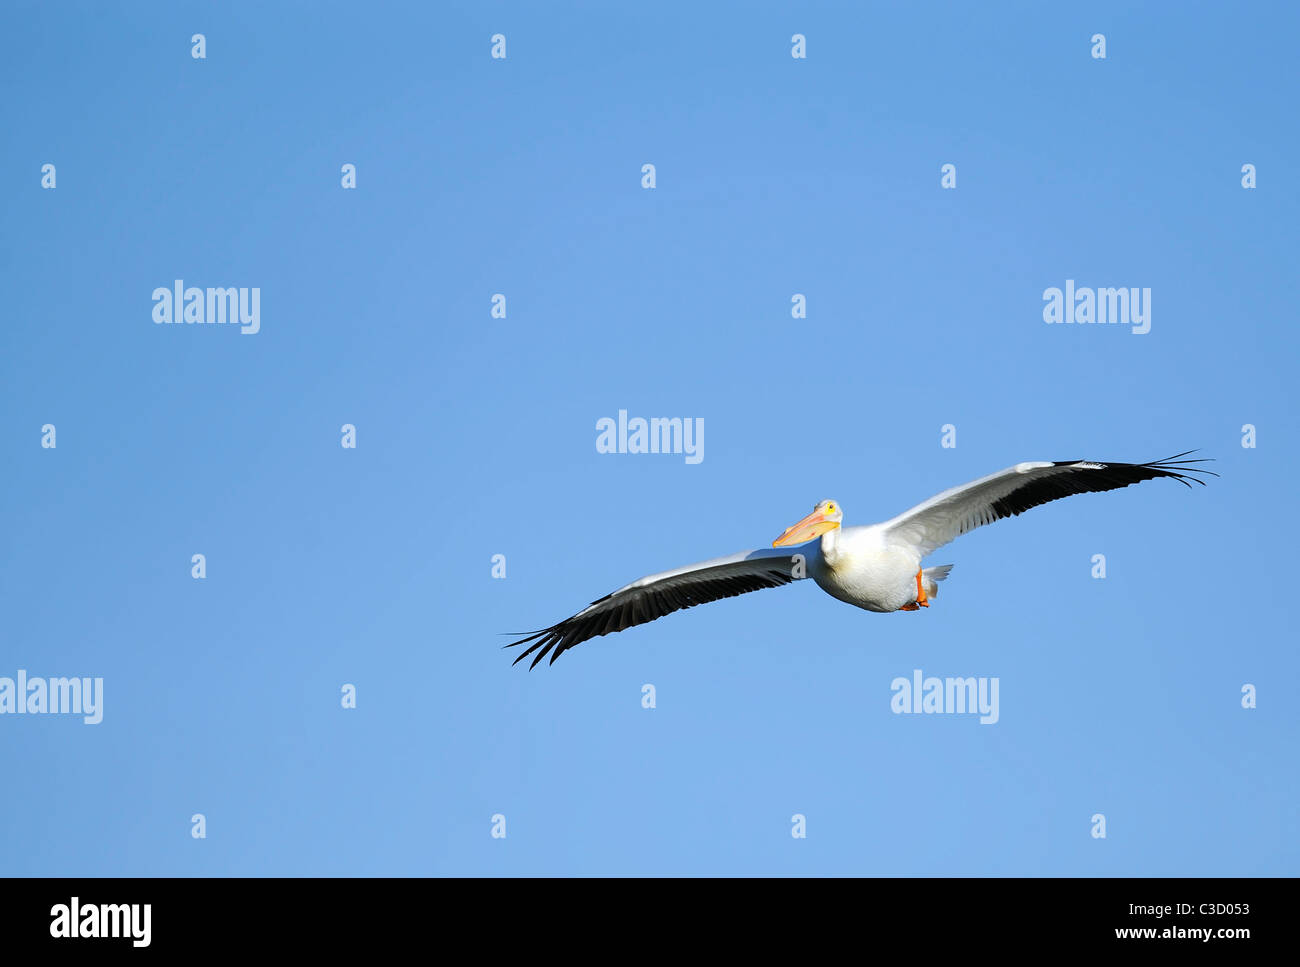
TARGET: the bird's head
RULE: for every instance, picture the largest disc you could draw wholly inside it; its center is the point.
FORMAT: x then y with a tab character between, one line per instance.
825	517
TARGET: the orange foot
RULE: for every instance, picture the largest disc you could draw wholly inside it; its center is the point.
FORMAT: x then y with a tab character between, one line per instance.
922	599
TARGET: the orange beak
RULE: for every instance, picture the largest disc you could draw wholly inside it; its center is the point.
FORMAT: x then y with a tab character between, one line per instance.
814	525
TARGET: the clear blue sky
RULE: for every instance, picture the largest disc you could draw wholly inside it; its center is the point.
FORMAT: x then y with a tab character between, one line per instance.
476	436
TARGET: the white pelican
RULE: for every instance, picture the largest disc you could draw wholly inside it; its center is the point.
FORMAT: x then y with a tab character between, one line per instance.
877	567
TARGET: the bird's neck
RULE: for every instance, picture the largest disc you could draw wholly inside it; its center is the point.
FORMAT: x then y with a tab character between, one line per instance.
831	546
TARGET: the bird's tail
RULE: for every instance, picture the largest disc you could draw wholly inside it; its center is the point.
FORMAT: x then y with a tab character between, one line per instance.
932	576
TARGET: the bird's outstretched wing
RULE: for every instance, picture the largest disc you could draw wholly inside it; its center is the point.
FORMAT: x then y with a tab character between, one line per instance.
656	595
948	515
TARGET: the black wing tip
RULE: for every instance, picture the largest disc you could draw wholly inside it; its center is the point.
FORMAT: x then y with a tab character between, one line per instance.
1177	460
545	640
1182	470
1174	467
1096	476
537	638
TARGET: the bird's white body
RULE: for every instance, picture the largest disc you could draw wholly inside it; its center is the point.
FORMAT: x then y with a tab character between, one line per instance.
862	567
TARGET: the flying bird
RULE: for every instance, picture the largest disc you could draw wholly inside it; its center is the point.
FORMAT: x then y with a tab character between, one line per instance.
876	567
